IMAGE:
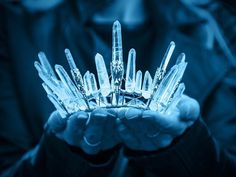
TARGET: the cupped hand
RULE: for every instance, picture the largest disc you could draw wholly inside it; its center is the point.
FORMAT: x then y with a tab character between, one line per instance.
147	130
90	131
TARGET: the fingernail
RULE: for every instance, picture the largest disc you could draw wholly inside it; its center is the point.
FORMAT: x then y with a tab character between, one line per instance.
98	114
82	116
133	113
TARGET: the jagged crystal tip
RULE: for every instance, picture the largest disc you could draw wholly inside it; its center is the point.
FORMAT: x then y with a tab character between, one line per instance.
138	81
117	67
147	85
131	71
102	74
117	51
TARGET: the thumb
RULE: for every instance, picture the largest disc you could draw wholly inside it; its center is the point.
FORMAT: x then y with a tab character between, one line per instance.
189	108
55	123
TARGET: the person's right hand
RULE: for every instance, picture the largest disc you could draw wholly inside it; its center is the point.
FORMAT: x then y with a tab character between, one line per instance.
91	132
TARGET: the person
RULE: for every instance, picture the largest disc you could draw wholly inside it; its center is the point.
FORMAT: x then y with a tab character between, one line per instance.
196	139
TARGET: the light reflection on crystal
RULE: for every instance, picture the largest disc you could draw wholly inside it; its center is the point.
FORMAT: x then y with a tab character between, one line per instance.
138	81
94	87
147	85
117	67
45	63
176	98
87	83
103	78
131	71
82	92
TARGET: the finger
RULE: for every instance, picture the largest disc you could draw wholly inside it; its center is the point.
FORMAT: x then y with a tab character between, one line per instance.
56	123
126	135
133	120
189	108
166	123
75	127
162	140
110	135
92	139
133	113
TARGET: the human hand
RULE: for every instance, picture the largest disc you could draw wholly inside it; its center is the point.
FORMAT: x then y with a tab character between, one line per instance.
91	132
147	130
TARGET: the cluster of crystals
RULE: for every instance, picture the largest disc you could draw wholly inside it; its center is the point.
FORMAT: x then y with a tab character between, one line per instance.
160	93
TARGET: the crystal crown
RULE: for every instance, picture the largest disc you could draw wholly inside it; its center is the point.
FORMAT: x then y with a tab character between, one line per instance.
160	93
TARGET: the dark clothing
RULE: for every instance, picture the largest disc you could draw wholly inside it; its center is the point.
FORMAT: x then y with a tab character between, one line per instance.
207	149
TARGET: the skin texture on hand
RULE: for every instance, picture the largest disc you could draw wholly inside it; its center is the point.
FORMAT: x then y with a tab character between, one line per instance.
146	130
92	132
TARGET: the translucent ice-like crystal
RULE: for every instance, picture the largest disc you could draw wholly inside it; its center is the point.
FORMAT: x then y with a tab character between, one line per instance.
138	81
117	51
180	59
162	89
117	67
45	63
147	85
161	70
70	95
164	63
103	78
136	103
176	97
131	71
67	81
168	86
53	84
87	83
59	108
77	77
94	88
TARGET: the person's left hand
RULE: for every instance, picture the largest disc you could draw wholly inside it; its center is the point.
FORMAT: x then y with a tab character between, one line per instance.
147	130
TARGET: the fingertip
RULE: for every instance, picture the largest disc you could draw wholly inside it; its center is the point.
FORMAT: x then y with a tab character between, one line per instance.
55	122
99	113
133	113
82	115
189	108
149	114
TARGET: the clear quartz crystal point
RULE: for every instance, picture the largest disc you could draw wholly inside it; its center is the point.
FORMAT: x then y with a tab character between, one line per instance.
131	71
138	81
168	86
161	70
147	85
164	63
180	59
87	83
117	68
45	63
67	81
176	97
77	77
94	87
52	83
72	94
158	97
74	71
103	78
171	88
47	89
63	113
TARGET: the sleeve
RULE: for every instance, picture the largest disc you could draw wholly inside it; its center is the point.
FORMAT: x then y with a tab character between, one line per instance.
207	149
18	155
